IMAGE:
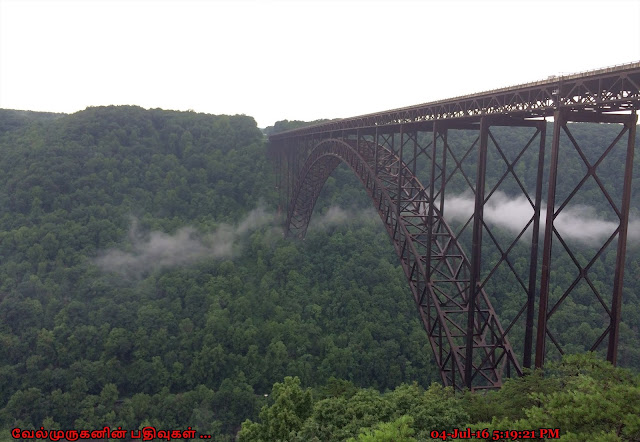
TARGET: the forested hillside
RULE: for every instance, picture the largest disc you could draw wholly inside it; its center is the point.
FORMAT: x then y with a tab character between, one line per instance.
144	281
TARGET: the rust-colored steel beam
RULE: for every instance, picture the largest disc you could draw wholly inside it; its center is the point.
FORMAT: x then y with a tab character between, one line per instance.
441	293
476	248
554	208
612	350
608	90
533	260
558	122
388	150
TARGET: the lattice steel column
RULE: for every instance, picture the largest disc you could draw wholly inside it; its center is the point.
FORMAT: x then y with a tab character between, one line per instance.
558	122
622	213
533	263
476	249
616	305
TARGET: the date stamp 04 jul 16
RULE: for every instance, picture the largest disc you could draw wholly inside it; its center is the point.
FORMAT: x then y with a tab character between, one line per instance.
486	434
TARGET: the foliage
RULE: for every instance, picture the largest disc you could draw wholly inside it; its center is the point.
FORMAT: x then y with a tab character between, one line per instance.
199	342
285	125
362	415
397	431
15	119
583	396
190	343
291	407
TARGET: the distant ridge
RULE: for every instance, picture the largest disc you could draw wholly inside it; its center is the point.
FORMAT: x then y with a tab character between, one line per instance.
11	119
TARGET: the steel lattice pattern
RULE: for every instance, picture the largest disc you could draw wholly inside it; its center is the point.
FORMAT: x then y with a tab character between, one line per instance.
449	281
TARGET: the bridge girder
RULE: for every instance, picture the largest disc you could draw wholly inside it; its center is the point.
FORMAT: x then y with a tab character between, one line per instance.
388	151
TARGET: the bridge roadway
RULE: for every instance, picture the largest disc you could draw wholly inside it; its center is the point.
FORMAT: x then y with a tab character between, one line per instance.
405	162
613	89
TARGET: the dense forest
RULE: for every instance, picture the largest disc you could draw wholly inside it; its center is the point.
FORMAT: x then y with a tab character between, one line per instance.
145	281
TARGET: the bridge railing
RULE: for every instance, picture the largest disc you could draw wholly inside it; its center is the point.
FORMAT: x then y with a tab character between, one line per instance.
611	89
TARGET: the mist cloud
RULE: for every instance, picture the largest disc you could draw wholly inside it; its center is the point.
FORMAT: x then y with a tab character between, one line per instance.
159	250
579	223
336	215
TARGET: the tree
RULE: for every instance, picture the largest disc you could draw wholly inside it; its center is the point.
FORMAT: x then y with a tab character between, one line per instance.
282	420
590	400
397	431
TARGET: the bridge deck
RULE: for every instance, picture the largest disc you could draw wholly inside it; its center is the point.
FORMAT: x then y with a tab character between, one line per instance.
613	89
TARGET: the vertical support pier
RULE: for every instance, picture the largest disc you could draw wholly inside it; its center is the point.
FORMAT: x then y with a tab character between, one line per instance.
476	250
533	263
616	303
558	122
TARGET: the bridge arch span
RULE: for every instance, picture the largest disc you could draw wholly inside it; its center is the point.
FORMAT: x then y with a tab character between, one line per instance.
434	264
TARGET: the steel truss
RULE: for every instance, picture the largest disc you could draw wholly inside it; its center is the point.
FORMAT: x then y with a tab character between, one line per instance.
628	125
407	166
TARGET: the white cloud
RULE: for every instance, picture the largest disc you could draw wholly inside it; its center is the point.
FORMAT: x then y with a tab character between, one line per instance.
578	223
336	215
159	250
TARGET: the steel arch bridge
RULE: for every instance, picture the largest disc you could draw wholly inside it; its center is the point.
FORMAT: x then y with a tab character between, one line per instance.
406	160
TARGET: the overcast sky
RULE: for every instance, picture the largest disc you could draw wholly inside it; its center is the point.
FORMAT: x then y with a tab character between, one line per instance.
304	60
